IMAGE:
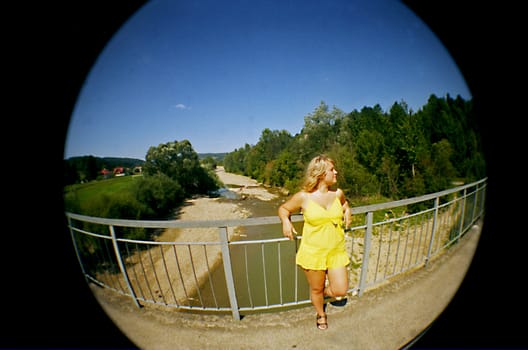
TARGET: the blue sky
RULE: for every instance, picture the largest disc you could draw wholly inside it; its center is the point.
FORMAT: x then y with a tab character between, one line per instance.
218	72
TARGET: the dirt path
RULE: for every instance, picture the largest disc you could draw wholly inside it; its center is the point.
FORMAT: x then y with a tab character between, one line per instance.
383	318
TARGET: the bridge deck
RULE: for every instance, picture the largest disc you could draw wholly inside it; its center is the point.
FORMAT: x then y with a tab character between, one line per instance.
387	317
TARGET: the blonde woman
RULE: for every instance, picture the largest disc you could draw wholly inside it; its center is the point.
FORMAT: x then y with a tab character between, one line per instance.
321	253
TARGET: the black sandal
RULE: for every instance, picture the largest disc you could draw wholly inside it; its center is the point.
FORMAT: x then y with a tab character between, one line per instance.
321	325
339	301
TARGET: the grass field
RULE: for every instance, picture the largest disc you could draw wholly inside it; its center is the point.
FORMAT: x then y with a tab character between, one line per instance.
86	192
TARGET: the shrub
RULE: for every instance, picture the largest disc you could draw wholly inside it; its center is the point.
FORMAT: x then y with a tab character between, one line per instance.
159	193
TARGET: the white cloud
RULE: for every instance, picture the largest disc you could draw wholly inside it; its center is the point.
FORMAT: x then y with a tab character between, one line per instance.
181	106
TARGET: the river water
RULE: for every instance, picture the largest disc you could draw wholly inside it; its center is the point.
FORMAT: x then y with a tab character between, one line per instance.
259	280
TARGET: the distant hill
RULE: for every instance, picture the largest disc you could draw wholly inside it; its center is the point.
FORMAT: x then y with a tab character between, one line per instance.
112	162
87	168
108	162
216	156
125	162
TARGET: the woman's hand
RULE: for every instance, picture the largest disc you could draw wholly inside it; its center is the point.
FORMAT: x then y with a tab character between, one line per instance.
288	230
285	211
347	215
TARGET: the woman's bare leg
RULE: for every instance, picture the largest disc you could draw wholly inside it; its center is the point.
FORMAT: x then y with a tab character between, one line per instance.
337	282
316	280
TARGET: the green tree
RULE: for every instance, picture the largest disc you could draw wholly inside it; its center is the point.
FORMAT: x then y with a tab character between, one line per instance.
370	149
159	193
180	162
286	171
209	163
395	154
320	131
443	168
354	179
268	148
406	144
235	162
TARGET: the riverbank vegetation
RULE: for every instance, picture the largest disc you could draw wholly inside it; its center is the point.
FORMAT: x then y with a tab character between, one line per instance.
380	156
171	173
395	154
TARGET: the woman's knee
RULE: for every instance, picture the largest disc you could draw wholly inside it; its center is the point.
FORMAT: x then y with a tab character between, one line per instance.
338	282
340	290
336	290
317	289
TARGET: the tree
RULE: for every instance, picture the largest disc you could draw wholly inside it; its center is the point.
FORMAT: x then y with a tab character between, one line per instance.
285	171
159	193
180	162
370	149
320	131
396	154
405	139
444	169
270	145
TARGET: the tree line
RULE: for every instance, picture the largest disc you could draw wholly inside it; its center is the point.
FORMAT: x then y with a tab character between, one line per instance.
172	172
396	154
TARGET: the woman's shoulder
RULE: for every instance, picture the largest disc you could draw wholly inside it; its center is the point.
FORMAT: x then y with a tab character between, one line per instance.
302	195
340	194
302	198
299	197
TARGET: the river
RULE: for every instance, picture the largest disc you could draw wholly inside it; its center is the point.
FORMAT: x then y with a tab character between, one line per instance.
260	283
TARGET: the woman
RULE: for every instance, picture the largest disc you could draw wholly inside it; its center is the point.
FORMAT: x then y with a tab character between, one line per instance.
322	252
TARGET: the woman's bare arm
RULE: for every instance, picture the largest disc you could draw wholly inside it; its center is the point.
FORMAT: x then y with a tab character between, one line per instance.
285	211
346	208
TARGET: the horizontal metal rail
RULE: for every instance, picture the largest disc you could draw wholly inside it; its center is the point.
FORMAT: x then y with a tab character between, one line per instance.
228	275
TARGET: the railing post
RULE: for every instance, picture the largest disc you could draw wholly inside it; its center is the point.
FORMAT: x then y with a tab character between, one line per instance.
230	283
433	233
462	215
122	266
366	252
477	196
77	252
482	199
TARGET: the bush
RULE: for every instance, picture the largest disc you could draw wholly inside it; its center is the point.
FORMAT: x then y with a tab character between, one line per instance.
115	206
159	193
118	206
72	203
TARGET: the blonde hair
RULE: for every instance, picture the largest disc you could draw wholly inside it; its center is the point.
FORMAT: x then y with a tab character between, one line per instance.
315	172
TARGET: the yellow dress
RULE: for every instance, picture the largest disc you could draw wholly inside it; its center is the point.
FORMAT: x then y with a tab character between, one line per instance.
323	238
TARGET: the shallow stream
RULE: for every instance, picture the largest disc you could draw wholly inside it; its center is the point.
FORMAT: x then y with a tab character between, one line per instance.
260	283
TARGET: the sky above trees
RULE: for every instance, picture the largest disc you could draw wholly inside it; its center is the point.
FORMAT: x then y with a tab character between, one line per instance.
217	73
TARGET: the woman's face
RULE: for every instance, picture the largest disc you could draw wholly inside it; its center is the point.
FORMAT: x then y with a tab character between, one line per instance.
331	174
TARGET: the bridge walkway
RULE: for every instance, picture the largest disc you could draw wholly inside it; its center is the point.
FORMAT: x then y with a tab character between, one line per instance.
387	317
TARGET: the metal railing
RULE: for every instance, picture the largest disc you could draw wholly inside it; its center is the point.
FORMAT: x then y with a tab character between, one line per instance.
229	274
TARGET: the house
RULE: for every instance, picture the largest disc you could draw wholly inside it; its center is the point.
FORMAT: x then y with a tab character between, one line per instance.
119	171
106	173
